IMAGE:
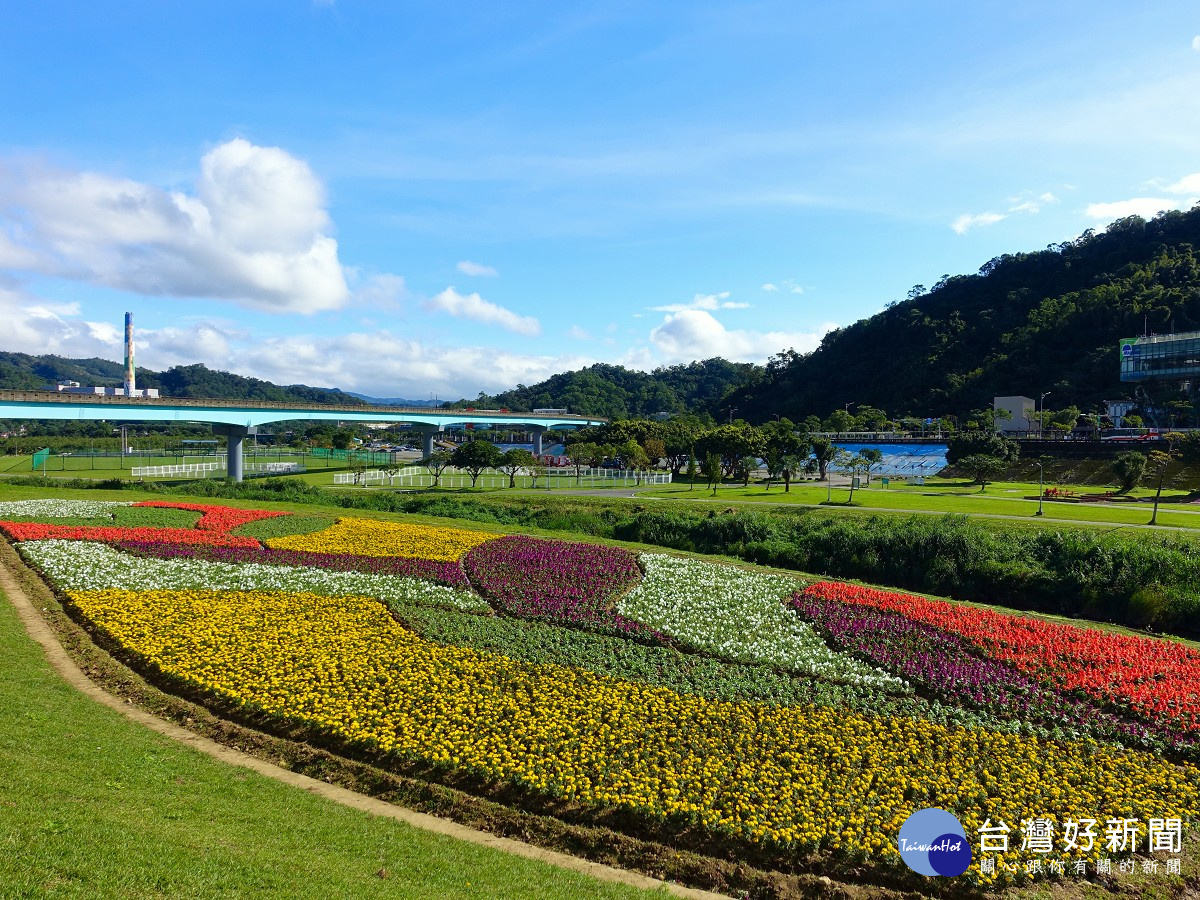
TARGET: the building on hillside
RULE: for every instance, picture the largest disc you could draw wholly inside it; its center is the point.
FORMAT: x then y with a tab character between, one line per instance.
1022	417
1161	357
1117	410
73	387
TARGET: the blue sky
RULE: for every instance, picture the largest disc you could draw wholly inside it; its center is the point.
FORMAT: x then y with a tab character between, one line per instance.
426	199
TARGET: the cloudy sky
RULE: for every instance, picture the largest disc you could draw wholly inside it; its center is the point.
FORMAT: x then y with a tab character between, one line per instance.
426	199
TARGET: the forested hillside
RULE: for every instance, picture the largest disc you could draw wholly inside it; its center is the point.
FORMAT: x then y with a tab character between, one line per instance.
1027	323
20	371
617	392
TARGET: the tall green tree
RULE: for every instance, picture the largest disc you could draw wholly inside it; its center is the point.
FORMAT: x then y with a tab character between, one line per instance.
982	468
474	457
825	452
1161	463
513	462
1129	468
438	462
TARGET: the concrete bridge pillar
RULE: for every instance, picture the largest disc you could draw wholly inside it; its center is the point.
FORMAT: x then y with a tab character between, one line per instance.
427	438
538	431
233	456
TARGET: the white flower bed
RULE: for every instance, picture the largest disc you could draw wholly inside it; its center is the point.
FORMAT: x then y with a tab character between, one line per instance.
58	509
90	566
737	614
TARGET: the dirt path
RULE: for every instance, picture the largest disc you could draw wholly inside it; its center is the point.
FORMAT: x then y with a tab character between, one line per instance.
66	667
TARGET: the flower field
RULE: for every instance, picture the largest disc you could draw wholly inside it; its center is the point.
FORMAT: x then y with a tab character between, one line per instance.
804	721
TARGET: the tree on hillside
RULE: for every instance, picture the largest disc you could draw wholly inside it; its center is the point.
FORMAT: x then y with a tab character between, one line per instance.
1129	468
474	456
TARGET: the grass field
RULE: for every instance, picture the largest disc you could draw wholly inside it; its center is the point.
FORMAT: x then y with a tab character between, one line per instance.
93	805
956	497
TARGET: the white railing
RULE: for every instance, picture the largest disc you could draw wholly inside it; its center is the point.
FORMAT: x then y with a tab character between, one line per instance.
376	476
274	468
417	477
189	469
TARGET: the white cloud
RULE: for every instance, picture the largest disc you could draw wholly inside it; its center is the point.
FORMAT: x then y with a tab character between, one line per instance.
254	231
1031	204
476	270
1188	184
385	291
365	362
1146	207
966	222
711	302
33	325
1196	43
695	334
375	363
770	288
472	306
578	333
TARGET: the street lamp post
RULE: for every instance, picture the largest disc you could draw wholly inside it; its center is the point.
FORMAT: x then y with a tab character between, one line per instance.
1041	424
1041	491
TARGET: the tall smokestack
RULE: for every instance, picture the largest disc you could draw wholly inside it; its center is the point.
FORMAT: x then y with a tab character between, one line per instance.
130	384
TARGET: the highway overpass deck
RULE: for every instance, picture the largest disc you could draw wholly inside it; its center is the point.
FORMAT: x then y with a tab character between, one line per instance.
236	418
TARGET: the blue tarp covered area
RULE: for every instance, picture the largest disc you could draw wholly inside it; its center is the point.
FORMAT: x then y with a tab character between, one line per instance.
905	459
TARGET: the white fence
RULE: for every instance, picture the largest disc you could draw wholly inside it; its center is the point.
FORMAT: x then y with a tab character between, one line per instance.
416	477
274	468
192	469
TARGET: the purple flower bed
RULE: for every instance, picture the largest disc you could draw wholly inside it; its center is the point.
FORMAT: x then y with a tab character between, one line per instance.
449	573
947	664
572	584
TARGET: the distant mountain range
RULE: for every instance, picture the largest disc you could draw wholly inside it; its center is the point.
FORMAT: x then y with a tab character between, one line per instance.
20	371
393	401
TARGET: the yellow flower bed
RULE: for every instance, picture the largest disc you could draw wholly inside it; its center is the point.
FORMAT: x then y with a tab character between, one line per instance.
802	776
367	537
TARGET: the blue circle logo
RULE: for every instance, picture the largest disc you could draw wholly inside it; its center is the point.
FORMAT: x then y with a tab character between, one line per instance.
933	842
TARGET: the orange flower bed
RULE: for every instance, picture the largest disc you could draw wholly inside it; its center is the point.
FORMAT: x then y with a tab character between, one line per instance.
216	518
36	531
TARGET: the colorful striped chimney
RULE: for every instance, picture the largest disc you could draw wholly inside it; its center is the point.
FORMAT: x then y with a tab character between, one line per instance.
130	383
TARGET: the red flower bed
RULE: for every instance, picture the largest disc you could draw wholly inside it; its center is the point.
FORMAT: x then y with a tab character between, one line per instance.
217	518
36	531
1158	678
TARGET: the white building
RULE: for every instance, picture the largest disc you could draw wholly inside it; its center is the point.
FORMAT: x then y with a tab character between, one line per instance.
1023	416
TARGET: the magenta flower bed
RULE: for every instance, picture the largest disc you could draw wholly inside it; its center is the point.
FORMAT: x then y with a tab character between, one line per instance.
572	584
449	573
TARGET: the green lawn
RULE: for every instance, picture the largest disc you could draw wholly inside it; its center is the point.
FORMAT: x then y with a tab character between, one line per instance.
92	805
1000	499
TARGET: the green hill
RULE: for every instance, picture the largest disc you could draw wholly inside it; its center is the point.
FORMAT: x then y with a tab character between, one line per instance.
20	371
616	392
1026	323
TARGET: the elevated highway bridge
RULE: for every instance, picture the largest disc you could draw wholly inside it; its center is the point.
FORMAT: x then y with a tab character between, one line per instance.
235	419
